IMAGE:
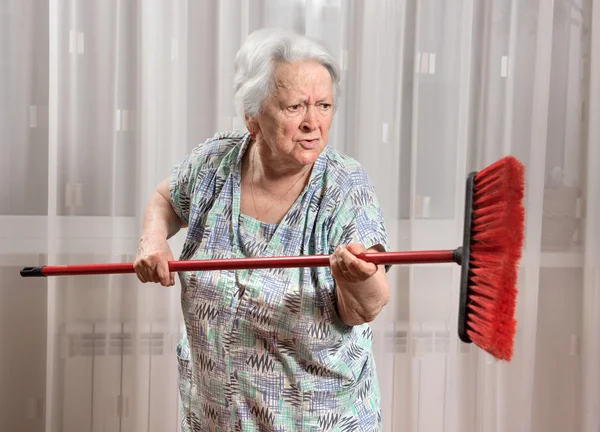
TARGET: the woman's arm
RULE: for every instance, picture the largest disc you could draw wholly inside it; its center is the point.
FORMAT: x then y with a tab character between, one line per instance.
160	223
159	216
361	287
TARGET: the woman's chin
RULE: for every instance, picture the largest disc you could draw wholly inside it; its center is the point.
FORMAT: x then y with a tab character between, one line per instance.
308	156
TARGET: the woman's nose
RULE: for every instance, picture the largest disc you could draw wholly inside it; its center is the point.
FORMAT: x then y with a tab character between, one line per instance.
309	122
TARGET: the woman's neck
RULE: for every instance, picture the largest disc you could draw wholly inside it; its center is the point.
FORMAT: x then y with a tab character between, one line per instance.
268	168
268	189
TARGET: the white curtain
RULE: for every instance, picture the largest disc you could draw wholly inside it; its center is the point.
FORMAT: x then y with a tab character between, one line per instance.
100	98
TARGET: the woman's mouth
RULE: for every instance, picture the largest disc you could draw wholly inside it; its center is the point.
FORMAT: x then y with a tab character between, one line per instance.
309	144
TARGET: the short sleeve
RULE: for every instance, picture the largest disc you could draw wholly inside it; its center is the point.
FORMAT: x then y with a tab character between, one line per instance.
359	219
182	183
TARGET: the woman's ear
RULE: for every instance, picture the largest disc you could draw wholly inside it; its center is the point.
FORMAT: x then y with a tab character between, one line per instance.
251	124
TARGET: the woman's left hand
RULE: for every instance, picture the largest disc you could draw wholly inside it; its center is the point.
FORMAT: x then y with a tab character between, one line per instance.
361	287
346	267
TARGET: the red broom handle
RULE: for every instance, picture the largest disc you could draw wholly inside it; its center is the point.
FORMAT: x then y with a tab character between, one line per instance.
384	258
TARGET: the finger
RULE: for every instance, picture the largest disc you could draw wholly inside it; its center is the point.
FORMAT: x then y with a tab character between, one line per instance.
357	267
155	263
139	271
343	270
145	275
335	268
154	277
141	277
162	271
339	255
172	274
356	248
362	268
346	258
149	270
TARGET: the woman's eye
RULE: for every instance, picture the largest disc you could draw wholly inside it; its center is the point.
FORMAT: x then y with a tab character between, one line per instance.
325	106
294	107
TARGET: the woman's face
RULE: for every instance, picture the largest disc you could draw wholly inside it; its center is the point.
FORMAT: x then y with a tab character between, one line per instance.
294	122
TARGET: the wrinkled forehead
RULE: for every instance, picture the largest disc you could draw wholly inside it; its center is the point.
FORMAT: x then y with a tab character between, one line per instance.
307	77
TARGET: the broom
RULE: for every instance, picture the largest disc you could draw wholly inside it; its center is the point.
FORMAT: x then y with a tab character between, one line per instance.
489	256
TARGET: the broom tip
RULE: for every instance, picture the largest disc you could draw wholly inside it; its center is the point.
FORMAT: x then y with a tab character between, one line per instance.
496	242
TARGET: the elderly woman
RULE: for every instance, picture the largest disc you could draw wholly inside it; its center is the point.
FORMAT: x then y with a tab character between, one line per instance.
278	349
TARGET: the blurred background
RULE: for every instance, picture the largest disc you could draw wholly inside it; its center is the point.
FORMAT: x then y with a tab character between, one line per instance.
100	98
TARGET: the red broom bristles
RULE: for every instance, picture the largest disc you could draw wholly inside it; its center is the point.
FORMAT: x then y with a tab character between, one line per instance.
497	233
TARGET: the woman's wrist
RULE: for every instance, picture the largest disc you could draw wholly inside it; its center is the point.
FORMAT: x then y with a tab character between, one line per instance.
360	302
154	233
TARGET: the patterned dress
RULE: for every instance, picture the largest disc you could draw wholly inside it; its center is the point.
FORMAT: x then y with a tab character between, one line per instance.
264	350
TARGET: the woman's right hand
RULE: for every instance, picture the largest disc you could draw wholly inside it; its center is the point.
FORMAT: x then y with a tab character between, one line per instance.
152	260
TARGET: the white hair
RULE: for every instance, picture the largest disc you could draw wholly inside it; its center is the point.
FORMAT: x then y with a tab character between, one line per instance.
255	65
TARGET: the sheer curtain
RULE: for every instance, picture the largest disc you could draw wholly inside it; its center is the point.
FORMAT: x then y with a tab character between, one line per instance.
99	99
